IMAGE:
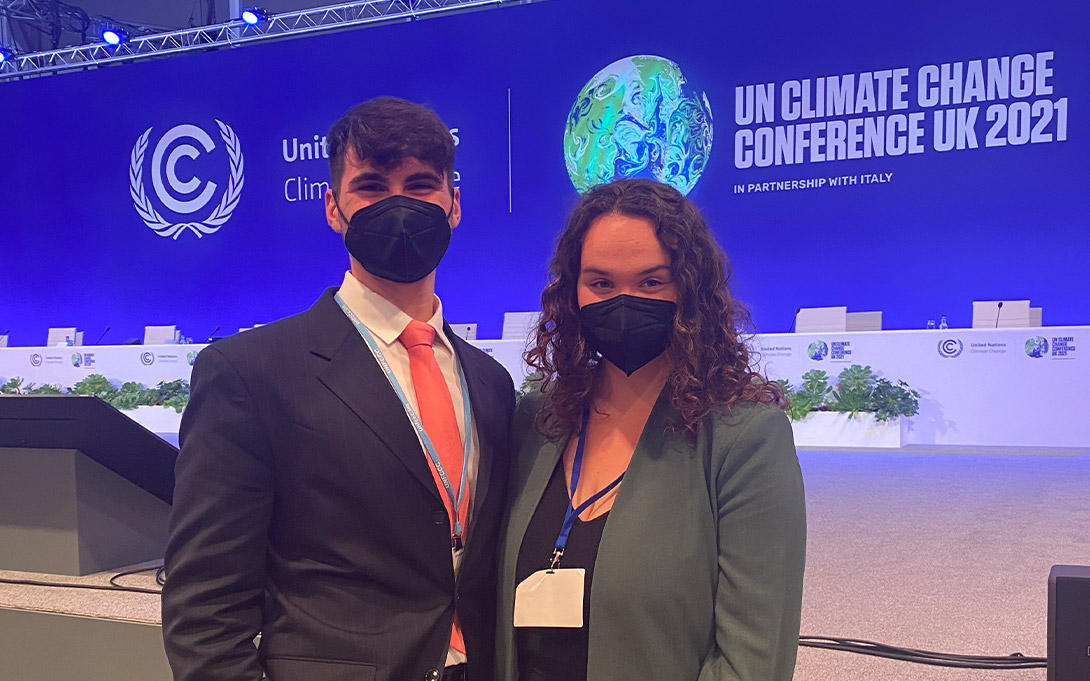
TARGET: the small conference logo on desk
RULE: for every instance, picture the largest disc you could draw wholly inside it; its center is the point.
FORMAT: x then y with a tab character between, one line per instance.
35	360
818	350
1063	347
191	357
147	358
1037	347
171	191
950	347
83	359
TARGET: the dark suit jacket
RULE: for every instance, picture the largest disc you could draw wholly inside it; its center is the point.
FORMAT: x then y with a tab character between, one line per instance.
304	509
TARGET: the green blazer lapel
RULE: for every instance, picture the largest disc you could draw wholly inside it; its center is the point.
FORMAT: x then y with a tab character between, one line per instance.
626	543
530	487
535	461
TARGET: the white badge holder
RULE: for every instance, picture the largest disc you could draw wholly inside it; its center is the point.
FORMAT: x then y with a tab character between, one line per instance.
551	598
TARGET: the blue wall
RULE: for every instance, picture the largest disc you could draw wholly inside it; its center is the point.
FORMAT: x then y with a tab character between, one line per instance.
947	228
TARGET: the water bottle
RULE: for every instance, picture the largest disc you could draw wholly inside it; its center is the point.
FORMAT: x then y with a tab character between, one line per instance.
68	341
942	323
930	323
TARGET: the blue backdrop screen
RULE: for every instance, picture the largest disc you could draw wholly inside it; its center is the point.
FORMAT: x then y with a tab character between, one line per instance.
909	158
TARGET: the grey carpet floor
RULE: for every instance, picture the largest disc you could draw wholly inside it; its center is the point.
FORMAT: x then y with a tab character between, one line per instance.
940	552
946	552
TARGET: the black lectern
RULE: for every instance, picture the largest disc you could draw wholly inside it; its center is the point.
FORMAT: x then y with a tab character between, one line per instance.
83	488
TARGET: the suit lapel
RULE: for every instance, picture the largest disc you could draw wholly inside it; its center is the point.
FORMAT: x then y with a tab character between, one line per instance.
354	376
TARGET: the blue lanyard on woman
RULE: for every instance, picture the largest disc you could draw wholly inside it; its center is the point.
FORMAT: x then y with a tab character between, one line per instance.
455	502
572	513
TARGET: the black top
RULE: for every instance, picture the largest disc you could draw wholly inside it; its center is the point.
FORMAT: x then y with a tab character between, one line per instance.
556	653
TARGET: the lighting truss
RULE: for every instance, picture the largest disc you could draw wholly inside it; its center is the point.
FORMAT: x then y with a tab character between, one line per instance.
232	33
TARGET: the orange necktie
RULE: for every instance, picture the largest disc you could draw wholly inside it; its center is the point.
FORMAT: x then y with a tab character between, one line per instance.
436	410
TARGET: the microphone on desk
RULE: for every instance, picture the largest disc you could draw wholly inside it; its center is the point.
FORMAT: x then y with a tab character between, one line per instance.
209	339
794	320
998	311
104	332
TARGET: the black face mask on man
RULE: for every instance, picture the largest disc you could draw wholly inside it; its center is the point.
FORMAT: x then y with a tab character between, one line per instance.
628	331
398	238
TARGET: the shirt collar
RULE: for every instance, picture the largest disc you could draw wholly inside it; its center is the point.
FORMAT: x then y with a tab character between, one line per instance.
381	317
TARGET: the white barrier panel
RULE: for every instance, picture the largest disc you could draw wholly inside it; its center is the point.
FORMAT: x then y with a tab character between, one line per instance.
978	387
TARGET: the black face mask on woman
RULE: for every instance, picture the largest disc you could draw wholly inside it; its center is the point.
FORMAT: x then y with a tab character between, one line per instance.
628	331
398	238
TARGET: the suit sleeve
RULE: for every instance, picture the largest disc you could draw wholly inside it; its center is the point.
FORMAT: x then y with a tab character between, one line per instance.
762	553
215	556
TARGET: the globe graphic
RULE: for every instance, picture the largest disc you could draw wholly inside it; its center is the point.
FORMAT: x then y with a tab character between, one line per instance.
637	118
1037	347
817	350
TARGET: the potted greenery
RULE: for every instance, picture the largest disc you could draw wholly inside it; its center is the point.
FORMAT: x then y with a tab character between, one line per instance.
861	411
158	409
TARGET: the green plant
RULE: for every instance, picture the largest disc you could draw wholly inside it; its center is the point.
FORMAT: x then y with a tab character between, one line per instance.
529	385
14	386
811	396
97	385
893	400
853	392
174	394
788	391
133	395
858	389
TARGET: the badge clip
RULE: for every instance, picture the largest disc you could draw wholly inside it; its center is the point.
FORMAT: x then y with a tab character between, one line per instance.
557	555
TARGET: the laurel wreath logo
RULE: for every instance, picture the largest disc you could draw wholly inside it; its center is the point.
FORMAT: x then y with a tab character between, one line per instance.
219	216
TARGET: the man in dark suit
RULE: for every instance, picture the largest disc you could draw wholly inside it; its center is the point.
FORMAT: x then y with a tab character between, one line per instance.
343	471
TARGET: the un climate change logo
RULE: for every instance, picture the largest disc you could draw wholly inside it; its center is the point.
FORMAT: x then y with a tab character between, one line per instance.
818	350
1037	347
35	360
637	118
951	347
147	358
164	186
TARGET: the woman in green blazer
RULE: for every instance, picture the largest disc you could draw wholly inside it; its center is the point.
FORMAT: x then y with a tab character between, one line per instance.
657	529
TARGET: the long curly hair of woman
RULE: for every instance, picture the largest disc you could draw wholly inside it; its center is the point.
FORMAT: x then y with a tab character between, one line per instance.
711	364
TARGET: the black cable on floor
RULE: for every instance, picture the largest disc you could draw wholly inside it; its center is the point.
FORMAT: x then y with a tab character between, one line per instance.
914	655
112	586
114	580
92	587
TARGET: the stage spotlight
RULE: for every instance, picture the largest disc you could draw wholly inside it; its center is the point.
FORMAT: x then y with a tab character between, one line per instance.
253	16
114	36
4	55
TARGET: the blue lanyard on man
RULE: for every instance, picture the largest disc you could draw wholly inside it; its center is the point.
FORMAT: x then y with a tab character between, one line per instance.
418	425
572	513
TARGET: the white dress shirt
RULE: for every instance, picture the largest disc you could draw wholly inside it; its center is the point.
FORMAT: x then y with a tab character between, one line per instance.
386	322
